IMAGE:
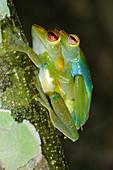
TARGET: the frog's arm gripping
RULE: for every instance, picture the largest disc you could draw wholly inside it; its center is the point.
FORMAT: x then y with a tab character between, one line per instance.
17	44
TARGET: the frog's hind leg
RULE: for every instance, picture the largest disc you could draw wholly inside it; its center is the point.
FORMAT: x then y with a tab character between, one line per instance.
62	118
81	110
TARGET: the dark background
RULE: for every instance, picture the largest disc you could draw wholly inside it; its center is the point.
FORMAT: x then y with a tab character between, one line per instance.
92	21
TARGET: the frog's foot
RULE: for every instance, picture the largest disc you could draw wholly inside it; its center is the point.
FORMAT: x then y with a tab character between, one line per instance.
42	102
81	102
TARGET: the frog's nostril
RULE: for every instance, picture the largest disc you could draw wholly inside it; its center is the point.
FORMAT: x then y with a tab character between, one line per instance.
73	99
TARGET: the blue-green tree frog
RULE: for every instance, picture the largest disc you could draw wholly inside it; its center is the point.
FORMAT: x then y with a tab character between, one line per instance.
74	58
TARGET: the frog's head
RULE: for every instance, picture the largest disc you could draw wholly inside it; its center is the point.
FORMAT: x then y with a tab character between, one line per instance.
47	43
69	44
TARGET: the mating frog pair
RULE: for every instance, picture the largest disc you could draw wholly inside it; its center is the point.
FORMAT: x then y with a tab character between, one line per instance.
62	79
65	79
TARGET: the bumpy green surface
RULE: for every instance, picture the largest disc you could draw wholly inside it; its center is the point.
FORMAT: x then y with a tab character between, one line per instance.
4	11
19	143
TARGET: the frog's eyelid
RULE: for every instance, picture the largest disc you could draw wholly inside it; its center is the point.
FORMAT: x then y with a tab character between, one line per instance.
73	40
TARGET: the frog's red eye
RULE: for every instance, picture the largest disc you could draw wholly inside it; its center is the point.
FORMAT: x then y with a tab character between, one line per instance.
53	36
73	39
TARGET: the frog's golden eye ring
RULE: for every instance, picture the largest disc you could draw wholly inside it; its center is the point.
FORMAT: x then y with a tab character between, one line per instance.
73	40
53	36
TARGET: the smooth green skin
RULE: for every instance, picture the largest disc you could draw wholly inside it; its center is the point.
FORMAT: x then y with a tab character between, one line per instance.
75	59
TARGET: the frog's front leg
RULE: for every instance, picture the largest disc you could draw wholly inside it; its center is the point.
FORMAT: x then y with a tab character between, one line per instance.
80	114
17	44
